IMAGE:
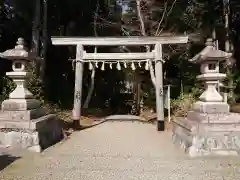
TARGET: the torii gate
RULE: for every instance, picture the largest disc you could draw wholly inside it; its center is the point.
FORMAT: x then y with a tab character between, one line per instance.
82	56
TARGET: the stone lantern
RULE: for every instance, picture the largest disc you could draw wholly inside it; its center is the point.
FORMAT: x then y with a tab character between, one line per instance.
23	123
209	128
209	59
21	98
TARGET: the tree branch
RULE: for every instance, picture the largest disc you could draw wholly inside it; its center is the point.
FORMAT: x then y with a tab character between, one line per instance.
162	18
164	15
140	17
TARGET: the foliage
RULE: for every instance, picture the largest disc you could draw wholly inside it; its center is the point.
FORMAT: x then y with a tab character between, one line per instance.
7	86
182	104
35	84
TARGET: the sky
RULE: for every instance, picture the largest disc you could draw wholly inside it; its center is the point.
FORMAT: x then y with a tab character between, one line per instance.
123	4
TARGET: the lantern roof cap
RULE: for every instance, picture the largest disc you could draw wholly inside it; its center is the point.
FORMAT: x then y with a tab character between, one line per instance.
210	53
19	52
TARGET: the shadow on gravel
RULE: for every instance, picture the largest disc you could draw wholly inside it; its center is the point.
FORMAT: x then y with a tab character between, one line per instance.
6	160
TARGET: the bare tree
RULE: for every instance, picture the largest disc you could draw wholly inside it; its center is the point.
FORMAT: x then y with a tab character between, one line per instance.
158	30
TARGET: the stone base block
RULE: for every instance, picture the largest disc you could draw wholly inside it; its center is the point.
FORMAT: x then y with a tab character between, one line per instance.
35	135
211	107
22	115
224	118
20	104
207	139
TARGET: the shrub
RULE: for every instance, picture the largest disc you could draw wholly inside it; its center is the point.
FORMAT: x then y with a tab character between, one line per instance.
181	105
7	86
35	84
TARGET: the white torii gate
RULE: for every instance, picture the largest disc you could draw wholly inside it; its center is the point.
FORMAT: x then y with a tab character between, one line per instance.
82	56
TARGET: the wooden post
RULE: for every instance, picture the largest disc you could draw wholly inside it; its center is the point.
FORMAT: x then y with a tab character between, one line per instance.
159	87
169	103
76	113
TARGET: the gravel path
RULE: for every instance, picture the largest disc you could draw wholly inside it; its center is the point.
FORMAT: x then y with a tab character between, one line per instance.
119	151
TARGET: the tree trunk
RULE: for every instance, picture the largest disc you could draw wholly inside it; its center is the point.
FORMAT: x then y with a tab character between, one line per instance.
148	48
227	47
45	38
91	89
36	35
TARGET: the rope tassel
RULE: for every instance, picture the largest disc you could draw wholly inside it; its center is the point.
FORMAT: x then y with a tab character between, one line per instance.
118	66
125	65
139	64
133	66
96	64
147	66
103	66
90	66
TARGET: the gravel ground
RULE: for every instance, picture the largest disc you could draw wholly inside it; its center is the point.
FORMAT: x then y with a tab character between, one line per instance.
119	151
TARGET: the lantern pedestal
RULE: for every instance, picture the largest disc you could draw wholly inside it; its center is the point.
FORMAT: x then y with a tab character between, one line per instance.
23	123
21	91
202	134
20	99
